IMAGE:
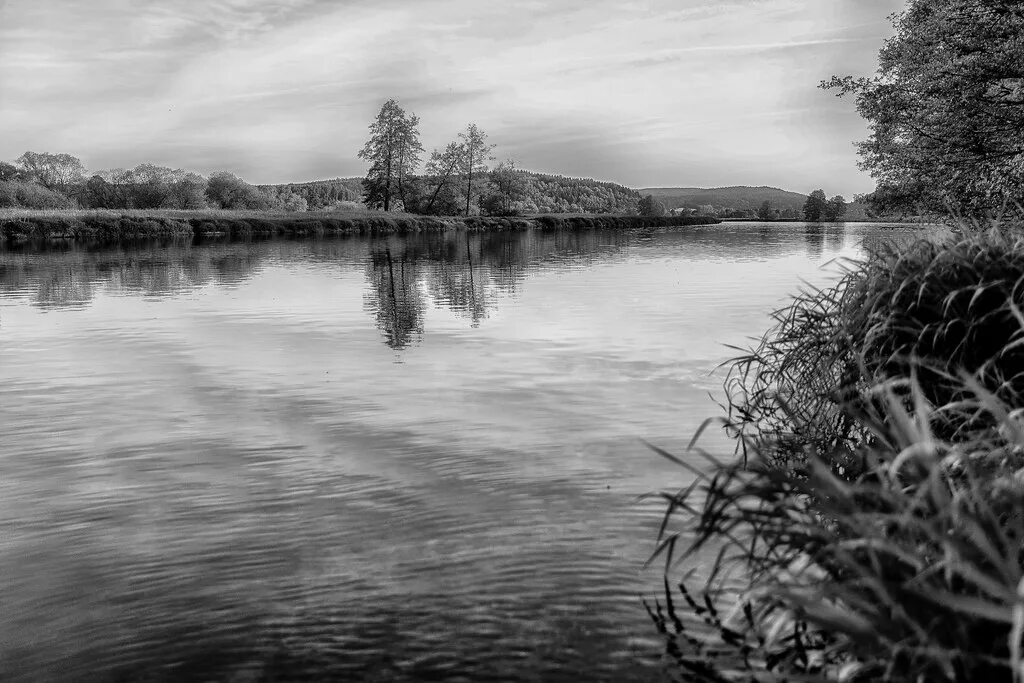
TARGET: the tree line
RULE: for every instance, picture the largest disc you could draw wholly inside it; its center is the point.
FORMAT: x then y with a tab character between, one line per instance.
818	207
59	181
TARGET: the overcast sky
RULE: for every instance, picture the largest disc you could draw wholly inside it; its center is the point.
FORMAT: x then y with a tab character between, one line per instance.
643	92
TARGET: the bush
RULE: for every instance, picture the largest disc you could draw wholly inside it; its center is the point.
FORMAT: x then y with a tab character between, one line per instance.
28	195
873	528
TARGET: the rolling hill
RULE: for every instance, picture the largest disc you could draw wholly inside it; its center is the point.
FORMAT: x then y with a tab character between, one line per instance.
740	197
545	193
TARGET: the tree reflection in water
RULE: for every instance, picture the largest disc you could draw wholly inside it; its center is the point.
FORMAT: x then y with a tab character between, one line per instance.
464	272
394	295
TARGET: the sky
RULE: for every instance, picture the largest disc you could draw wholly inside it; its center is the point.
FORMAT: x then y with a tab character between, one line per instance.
648	93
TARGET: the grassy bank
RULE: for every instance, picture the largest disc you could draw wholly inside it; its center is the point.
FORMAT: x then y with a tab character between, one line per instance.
109	226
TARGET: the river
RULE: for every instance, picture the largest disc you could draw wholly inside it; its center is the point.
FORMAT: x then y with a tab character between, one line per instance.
409	458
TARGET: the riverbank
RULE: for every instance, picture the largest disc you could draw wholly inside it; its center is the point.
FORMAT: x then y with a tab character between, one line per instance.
912	220
108	226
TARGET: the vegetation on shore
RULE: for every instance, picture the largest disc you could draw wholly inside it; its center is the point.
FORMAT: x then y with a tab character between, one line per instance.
871	524
128	225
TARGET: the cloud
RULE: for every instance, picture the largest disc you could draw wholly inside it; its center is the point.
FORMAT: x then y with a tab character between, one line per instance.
653	92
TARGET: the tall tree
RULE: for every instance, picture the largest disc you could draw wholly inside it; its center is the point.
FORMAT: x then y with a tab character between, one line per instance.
946	108
766	212
475	155
814	207
393	151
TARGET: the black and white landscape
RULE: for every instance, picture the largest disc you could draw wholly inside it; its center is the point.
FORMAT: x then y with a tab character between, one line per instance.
554	340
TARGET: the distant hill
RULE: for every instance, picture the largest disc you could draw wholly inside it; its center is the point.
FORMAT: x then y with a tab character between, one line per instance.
548	193
740	197
320	194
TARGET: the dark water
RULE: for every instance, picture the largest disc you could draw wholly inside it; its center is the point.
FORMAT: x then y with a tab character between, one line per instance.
414	458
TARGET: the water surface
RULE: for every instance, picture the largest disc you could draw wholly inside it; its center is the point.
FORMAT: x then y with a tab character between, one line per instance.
407	458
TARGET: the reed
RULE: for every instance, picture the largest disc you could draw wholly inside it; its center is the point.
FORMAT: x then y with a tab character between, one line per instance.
871	525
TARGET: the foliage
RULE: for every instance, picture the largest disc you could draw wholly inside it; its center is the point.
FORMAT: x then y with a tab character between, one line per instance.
766	212
393	151
28	195
52	171
228	191
147	186
187	191
649	206
946	108
873	528
294	202
548	193
814	207
474	155
9	172
436	193
508	188
319	194
835	209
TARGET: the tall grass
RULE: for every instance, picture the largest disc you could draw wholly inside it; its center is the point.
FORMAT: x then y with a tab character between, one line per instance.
935	307
872	527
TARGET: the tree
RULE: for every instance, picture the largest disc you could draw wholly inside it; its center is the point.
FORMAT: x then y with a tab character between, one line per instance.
835	209
52	171
815	205
150	185
228	191
649	206
393	151
946	108
766	212
507	187
294	202
98	193
8	172
441	170
475	154
188	191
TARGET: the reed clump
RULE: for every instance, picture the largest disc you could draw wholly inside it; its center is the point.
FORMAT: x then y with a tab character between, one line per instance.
872	525
935	307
